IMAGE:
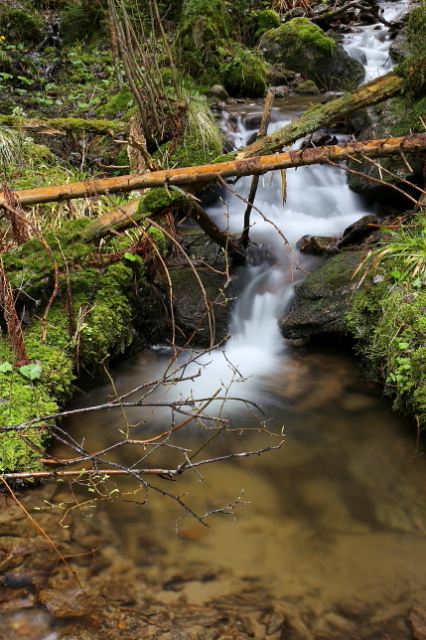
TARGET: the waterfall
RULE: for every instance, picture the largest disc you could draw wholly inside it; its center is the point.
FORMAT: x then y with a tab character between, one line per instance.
319	202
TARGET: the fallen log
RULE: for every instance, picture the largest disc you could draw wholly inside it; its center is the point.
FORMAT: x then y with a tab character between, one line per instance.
211	172
324	115
55	126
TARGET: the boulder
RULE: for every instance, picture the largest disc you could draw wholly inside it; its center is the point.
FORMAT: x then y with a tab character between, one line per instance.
302	46
394	117
399	46
218	92
190	308
307	88
321	300
317	245
359	230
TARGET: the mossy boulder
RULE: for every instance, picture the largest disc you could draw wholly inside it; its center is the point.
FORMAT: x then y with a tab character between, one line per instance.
395	117
302	46
204	25
244	73
321	301
264	20
307	88
102	300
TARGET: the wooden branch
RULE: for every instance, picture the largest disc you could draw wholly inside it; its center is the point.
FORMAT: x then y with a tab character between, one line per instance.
244	240
324	115
210	172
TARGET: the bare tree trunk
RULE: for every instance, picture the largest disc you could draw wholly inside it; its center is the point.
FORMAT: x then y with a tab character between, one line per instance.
211	172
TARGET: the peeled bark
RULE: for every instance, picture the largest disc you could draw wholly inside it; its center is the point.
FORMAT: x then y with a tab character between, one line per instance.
324	115
211	172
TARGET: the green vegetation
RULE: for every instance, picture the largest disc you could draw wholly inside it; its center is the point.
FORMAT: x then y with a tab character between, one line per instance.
200	141
264	20
244	74
388	316
413	68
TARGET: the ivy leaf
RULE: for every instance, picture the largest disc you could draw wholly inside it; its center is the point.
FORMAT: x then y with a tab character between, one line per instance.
30	371
5	367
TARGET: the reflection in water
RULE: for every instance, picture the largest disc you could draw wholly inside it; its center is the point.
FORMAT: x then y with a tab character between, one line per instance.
337	517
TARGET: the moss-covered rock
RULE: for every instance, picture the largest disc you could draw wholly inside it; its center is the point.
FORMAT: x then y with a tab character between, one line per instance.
387	317
303	47
320	301
307	88
205	24
244	73
413	67
264	20
395	117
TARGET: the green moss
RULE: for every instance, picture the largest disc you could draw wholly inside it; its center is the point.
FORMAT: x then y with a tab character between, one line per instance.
19	25
106	306
264	20
244	74
225	157
84	124
413	68
307	88
295	35
204	26
200	141
118	105
388	318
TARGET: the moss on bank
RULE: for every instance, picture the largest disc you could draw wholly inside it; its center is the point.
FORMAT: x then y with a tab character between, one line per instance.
388	319
102	297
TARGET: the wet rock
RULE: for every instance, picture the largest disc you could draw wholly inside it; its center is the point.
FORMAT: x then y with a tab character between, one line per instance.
218	92
318	140
316	245
252	120
399	46
322	299
304	47
391	118
61	605
417	620
278	74
359	230
191	315
307	88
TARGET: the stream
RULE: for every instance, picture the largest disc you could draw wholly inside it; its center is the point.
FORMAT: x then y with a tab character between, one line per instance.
335	528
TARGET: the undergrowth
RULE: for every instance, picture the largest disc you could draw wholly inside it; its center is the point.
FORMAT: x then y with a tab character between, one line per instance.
388	315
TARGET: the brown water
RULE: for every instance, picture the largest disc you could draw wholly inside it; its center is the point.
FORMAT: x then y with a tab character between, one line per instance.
336	520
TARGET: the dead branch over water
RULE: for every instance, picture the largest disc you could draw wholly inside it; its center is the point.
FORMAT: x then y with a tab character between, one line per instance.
233	168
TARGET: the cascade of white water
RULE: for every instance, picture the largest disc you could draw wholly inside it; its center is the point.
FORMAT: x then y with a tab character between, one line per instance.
319	202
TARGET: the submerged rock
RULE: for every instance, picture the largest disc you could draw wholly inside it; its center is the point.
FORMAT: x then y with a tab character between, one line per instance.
302	46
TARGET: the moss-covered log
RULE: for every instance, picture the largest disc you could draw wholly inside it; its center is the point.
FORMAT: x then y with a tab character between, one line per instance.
63	125
324	115
231	168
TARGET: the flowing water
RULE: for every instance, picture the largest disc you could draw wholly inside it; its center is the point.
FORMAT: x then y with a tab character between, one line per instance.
336	525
